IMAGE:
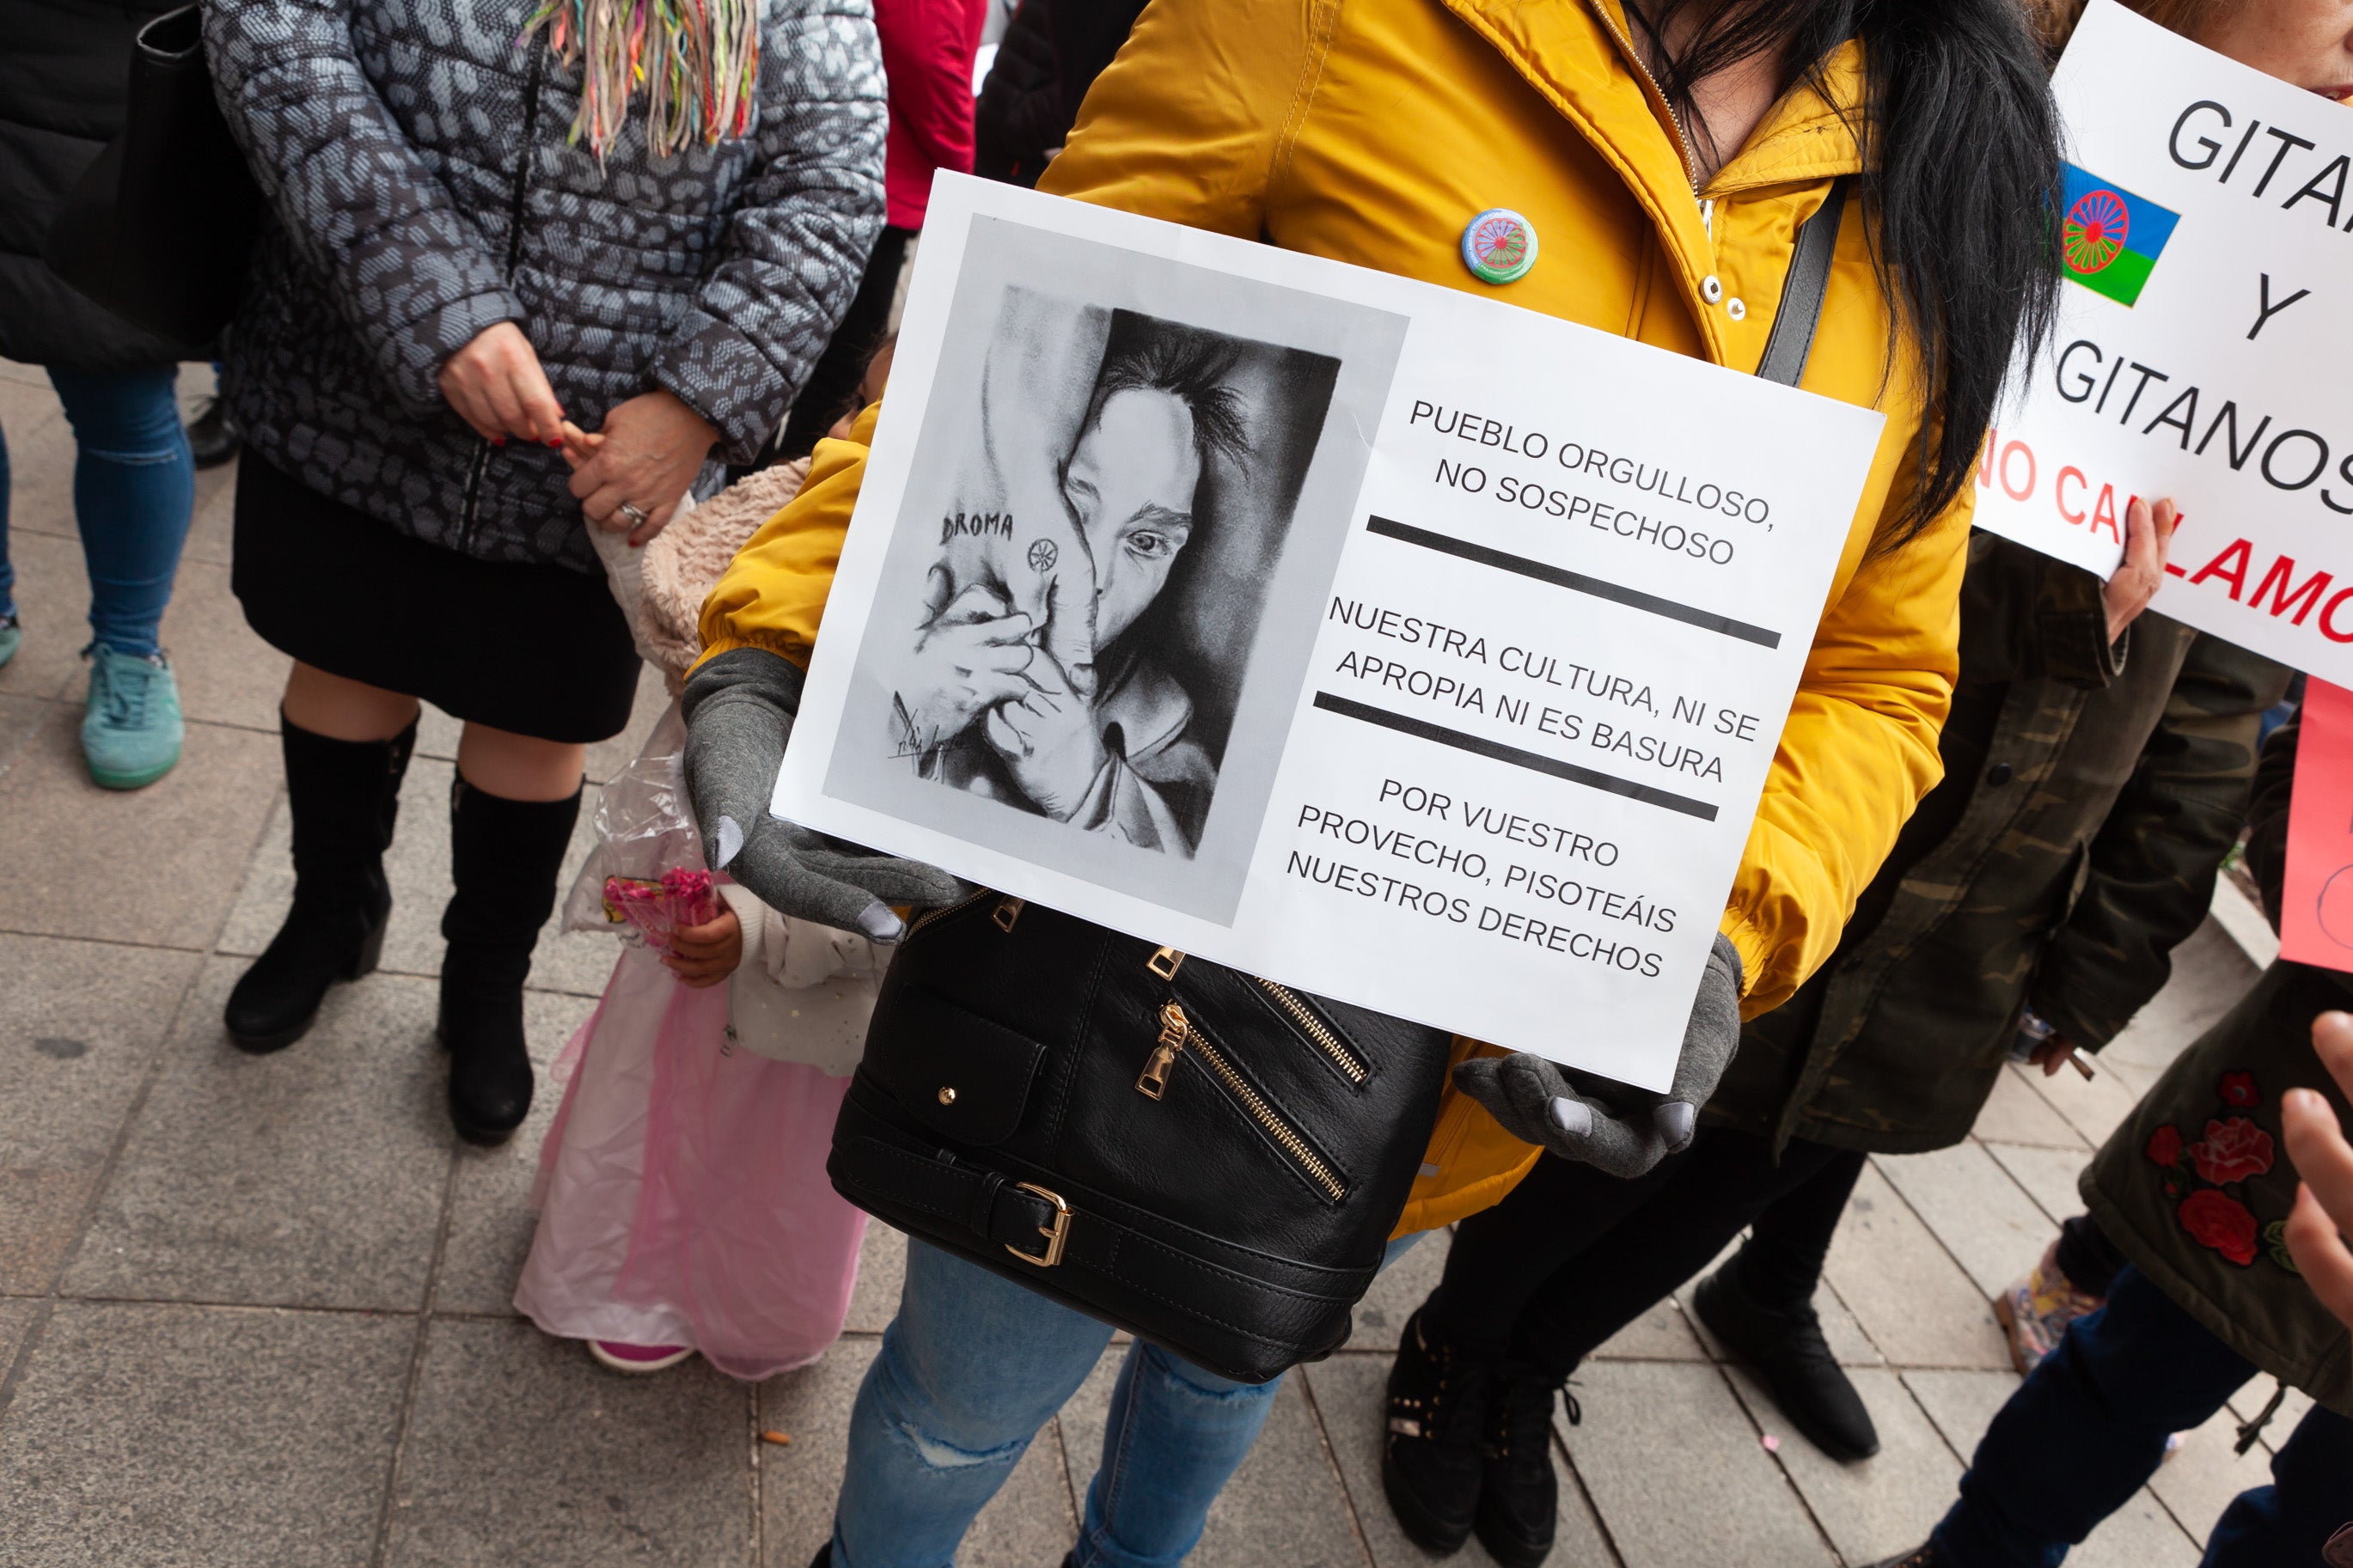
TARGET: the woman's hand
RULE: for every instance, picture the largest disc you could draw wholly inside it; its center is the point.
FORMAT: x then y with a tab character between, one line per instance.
708	954
2324	1198
2149	534
646	455
496	385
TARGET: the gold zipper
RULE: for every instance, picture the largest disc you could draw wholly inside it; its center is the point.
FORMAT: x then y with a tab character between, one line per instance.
1316	1029
942	913
1178	1034
1683	140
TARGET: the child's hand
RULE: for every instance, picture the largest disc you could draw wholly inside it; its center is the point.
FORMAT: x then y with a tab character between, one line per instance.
706	954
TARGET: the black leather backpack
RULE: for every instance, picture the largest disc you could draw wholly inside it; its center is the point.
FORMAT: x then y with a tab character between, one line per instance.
1211	1162
1208	1159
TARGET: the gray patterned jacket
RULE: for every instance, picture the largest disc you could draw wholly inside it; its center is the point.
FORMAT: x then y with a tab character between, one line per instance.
415	158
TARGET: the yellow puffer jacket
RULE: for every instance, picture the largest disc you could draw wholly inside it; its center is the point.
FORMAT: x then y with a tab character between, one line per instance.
1371	131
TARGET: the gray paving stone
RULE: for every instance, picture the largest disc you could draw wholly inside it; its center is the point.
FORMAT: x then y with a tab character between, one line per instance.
1284	1505
2092	1107
158	866
2014	1113
521	1449
1985	1219
1397	1290
17	1315
881	1275
190	1437
21	718
1663	1333
490	1217
80	1024
799	1482
2048	1175
2198	1483
212	522
311	1177
52	597
1348	1393
42	453
1028	1524
1881	1505
1678	1474
1913	1300
227	675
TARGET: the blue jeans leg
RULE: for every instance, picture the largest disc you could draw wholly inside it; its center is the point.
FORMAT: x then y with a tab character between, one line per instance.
7	569
969	1370
1176	1435
2309	1500
2122	1379
134	488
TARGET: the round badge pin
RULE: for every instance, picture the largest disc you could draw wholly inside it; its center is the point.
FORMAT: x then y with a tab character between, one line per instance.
1499	246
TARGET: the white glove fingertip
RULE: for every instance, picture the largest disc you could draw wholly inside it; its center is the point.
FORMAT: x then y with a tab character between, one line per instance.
1675	1121
730	842
880	924
1573	1117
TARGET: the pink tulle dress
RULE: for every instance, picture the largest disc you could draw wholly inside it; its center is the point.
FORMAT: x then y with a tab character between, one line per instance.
682	1188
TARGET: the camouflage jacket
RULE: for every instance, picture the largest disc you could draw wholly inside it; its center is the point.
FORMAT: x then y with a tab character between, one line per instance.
2195	1187
2088	798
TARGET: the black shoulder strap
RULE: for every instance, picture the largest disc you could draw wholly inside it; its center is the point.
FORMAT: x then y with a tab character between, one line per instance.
1802	291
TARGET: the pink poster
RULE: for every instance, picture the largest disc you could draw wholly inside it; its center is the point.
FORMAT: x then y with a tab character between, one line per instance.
2316	926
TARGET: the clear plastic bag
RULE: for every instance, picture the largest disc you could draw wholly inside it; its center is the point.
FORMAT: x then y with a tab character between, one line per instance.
645	827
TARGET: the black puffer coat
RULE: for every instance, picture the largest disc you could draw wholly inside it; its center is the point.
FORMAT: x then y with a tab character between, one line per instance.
415	158
65	69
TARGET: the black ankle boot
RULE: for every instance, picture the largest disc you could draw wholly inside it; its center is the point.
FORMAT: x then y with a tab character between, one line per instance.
503	856
343	796
1430	1458
1785	1344
1519	1494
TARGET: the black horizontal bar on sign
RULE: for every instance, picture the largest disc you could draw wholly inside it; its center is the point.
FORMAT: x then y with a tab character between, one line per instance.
1575	582
1591	778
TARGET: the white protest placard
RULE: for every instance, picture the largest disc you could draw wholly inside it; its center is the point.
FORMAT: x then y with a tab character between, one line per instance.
2204	239
1439	648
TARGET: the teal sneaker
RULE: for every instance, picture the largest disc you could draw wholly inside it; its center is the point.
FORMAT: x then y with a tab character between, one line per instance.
131	736
12	637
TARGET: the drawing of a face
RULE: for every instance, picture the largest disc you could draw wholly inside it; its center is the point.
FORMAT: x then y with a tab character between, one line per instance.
1130	482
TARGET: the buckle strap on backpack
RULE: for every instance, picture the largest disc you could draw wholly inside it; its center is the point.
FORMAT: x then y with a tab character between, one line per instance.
1035	1224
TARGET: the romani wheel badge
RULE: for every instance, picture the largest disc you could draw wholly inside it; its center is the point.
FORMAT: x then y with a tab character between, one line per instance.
1499	246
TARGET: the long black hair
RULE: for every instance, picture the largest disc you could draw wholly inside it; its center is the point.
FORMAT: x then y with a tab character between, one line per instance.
1960	143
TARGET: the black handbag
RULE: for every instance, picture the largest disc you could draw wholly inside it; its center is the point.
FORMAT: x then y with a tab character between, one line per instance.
161	227
1208	1159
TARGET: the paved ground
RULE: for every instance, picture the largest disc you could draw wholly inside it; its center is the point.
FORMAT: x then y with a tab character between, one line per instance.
256	1310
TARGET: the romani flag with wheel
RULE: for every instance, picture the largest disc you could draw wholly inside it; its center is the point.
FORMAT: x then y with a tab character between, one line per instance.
2109	237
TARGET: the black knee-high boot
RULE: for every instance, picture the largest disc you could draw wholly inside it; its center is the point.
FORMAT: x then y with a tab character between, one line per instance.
503	856
343	796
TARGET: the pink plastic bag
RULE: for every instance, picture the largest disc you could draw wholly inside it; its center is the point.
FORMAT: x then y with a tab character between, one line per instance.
682	1190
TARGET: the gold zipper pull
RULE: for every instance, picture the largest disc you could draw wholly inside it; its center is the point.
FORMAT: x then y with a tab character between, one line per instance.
1152	1081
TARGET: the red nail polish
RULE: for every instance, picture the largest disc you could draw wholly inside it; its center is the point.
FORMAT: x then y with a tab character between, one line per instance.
555	441
498	440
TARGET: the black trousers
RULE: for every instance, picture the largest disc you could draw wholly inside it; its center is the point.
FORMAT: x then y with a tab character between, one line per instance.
1573	1256
832	388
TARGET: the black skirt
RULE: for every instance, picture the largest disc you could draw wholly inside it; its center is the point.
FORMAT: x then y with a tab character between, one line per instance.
537	651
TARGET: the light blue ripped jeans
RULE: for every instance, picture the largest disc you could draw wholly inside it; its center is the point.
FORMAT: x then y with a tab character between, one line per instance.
969	1371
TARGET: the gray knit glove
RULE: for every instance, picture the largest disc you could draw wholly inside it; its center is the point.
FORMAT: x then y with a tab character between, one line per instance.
1534	1102
739	712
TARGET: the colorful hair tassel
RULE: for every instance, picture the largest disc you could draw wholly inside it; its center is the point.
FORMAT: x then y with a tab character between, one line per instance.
697	62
